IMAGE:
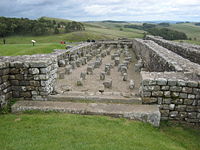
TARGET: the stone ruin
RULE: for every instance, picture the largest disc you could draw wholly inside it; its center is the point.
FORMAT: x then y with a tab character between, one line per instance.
165	73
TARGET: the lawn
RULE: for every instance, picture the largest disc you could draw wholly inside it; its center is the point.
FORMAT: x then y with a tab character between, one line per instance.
42	131
28	49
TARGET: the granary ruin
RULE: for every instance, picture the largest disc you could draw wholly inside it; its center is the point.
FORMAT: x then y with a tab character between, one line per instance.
146	80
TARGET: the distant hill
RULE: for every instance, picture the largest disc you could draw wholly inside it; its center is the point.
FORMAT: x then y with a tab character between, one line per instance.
112	21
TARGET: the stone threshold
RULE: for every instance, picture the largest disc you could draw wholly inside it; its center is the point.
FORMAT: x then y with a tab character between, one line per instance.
95	98
145	113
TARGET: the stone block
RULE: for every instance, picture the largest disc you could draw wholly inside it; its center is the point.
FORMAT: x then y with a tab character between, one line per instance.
117	61
167	100
173	114
175	88
34	71
83	75
125	77
149	100
132	84
68	70
192	115
102	76
107	84
192	83
90	70
161	81
79	82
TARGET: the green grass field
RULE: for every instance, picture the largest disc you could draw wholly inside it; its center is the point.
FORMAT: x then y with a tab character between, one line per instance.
28	49
190	29
40	131
21	45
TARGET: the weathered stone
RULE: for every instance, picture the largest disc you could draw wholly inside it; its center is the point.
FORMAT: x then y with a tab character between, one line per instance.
192	115
164	88
161	81
61	63
173	114
187	90
171	106
131	84
79	82
175	88
117	61
83	75
167	100
192	84
101	88
107	84
89	70
125	77
157	93
149	100
68	70
174	94
102	76
188	101
164	113
191	96
183	95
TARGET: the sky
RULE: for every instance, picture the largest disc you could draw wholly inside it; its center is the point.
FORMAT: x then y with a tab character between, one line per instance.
96	10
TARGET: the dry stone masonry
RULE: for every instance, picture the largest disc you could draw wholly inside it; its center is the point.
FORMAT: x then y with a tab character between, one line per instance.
169	74
171	79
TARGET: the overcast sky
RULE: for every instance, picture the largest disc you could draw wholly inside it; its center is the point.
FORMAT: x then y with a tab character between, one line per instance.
88	10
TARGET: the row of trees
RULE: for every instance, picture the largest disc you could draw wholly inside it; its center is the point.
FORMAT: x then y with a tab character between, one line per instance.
42	26
168	34
160	30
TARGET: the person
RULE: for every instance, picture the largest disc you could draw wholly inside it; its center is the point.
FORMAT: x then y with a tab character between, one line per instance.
4	41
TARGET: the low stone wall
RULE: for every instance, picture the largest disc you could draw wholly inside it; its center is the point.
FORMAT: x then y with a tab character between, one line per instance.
33	76
177	94
189	51
173	82
5	86
159	59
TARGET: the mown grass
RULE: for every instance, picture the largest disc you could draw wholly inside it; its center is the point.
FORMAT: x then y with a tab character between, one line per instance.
28	49
74	132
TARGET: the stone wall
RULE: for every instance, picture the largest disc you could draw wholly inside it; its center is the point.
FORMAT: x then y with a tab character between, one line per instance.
188	51
177	94
33	76
5	86
173	82
159	59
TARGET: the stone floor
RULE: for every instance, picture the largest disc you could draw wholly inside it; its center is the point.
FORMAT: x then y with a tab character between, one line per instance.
91	85
145	113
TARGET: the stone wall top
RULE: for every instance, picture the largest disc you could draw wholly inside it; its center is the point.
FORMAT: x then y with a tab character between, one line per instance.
189	51
180	64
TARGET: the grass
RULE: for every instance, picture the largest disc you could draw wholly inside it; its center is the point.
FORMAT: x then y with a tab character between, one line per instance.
74	132
190	29
28	49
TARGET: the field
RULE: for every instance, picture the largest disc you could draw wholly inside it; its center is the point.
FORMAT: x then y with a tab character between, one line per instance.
190	29
21	45
74	132
28	49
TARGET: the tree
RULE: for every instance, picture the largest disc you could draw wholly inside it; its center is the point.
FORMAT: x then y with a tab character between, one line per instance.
56	31
3	31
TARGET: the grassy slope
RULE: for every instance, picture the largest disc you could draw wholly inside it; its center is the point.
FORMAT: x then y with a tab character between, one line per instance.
21	45
74	132
190	29
28	49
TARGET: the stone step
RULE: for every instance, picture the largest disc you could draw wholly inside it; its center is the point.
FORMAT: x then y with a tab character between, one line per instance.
145	113
95	98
